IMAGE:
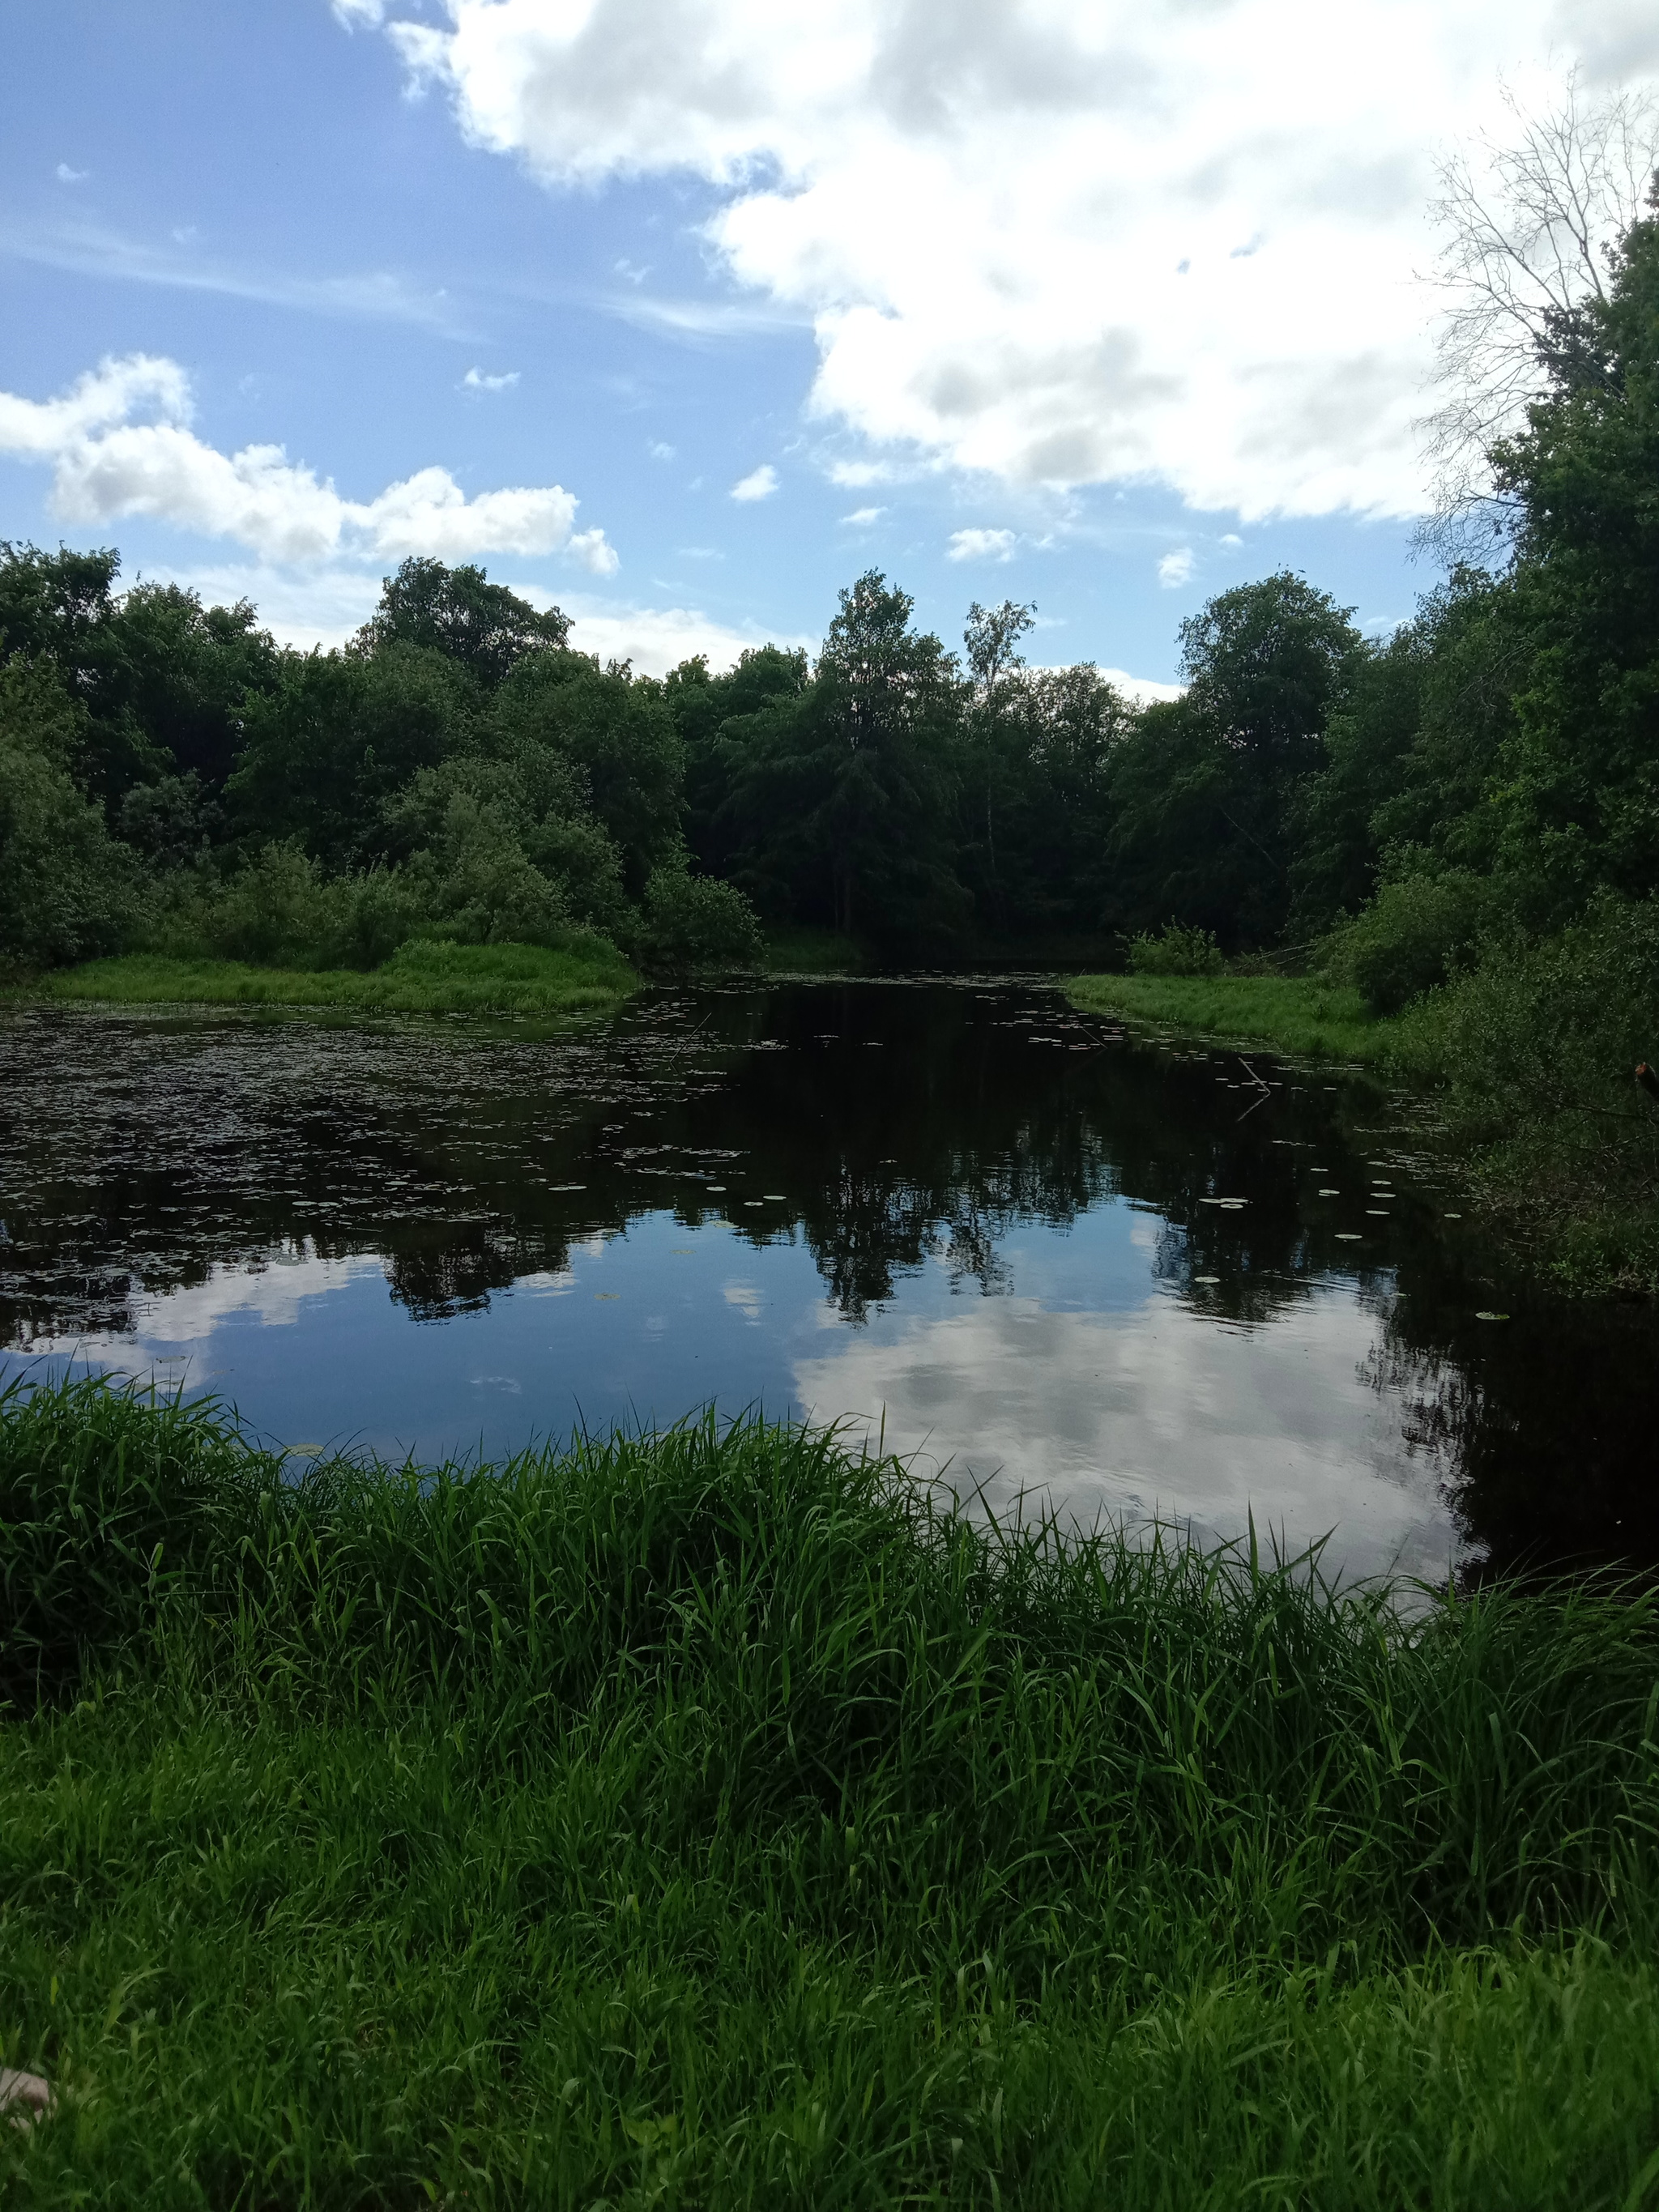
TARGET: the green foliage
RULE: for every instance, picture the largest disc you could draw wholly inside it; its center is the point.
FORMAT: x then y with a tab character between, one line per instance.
615	729
584	973
1304	1015
337	738
279	907
458	612
705	1816
1175	951
1414	935
693	921
1205	792
1580	803
847	785
67	889
1537	1046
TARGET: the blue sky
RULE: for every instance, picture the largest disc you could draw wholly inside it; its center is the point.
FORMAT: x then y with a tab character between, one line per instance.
1082	305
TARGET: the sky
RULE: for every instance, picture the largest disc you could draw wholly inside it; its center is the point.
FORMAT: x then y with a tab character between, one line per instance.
683	313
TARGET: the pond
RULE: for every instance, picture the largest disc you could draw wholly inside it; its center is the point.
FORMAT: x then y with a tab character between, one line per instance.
1058	1264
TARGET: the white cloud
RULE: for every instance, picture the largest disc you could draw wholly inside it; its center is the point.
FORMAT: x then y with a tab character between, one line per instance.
862	517
1141	689
302	608
68	176
658	451
853	476
475	380
106	465
90	250
986	209
1176	569
981	545
366	15
656	639
759	483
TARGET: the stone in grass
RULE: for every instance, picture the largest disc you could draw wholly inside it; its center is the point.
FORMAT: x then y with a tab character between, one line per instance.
25	2097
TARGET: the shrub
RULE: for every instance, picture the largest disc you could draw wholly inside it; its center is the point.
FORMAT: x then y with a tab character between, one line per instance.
1411	936
1176	951
695	921
67	890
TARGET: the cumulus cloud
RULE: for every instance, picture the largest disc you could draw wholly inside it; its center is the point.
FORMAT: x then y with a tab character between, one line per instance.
360	14
862	517
475	381
656	639
1176	569
1062	241
106	464
981	545
759	483
68	176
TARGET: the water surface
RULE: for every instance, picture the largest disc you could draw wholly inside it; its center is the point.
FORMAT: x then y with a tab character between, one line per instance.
1052	1261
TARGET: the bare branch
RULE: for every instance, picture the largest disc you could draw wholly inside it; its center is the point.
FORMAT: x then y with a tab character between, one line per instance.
1530	223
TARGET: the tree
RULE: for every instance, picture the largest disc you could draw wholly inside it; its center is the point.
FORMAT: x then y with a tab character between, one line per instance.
1579	794
1203	794
843	793
67	889
485	627
992	638
616	728
337	737
1529	227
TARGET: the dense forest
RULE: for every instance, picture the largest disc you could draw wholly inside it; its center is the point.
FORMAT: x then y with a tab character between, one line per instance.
1464	791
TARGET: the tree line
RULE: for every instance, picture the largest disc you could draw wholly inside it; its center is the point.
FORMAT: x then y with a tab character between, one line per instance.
1491	770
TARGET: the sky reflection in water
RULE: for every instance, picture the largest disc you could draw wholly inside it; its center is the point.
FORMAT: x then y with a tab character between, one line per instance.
1004	1260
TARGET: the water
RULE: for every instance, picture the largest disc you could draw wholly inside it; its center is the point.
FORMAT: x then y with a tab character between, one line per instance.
1051	1260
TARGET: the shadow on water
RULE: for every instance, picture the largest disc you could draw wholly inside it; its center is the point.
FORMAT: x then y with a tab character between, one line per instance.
1011	1215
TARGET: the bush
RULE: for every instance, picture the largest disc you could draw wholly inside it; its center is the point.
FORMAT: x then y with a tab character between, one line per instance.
67	890
1177	952
695	921
1537	1046
1411	936
279	910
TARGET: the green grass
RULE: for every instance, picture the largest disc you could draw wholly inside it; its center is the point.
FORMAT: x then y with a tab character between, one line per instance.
702	1820
420	978
794	950
1293	1014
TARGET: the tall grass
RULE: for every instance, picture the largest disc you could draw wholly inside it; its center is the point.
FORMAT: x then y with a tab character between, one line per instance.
710	1817
1296	1014
589	974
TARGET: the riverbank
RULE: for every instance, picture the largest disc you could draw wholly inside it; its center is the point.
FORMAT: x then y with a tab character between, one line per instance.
698	1819
1557	1149
419	978
1296	1015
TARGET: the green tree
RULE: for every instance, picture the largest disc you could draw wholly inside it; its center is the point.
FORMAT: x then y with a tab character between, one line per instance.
846	791
617	729
1204	795
1579	796
458	612
337	737
67	890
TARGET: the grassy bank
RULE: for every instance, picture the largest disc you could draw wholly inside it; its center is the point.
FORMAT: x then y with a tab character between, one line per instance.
700	1821
1295	1015
419	978
794	950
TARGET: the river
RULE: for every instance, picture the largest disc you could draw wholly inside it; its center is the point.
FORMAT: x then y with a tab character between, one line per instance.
1057	1265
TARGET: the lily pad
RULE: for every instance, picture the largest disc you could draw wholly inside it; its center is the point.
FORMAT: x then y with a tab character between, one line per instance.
1484	1315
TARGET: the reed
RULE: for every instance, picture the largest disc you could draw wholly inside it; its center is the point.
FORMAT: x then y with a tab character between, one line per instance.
715	1817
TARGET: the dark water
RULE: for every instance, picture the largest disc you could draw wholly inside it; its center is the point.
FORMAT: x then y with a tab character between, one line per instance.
1051	1258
